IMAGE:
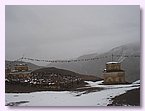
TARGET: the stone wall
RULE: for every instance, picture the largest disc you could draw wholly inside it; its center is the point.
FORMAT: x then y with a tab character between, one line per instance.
114	77
113	67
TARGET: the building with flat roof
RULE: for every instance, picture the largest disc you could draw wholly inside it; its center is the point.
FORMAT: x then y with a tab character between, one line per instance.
113	74
20	73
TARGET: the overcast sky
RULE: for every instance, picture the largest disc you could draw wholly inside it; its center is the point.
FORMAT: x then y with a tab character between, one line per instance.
64	32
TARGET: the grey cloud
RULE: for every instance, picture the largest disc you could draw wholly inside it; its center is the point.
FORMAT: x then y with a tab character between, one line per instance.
68	31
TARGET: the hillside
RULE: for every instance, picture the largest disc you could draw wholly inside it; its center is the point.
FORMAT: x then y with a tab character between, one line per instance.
63	72
49	79
130	64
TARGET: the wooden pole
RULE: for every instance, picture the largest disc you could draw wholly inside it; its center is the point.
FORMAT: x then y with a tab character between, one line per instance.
112	57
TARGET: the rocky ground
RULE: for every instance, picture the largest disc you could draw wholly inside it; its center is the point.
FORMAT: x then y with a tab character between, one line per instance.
27	88
88	94
130	98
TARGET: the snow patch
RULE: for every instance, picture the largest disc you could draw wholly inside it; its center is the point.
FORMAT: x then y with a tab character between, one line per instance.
66	98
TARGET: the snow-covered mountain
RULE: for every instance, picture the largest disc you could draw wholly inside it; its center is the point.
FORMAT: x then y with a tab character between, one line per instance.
131	65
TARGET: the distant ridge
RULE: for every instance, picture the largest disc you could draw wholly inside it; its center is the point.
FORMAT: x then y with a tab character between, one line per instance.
130	65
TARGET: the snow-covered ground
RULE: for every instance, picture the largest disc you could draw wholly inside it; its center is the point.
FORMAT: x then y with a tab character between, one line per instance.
66	98
99	84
